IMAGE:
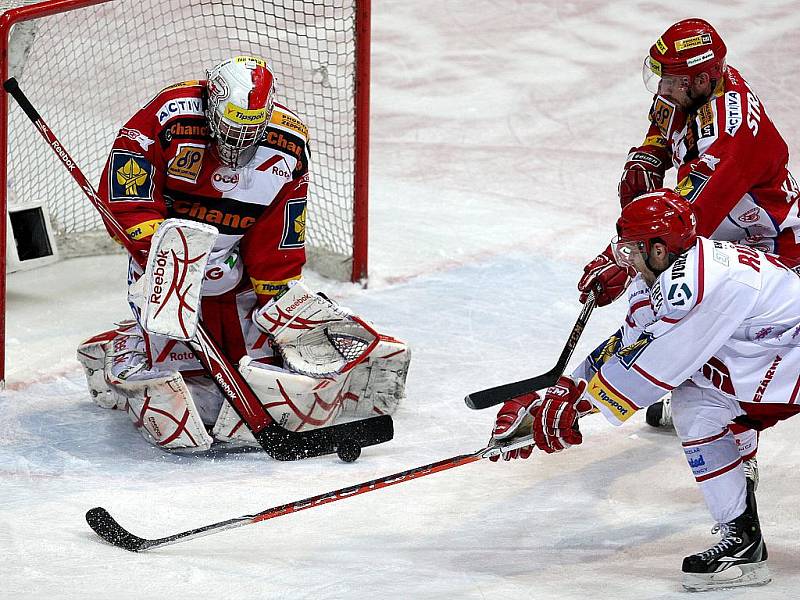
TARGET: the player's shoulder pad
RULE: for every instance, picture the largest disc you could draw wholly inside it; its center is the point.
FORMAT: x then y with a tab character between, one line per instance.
682	286
288	121
736	104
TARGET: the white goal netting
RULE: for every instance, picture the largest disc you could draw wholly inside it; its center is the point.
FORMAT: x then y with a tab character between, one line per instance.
88	70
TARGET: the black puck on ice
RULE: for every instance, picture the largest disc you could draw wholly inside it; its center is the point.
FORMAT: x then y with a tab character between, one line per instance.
348	451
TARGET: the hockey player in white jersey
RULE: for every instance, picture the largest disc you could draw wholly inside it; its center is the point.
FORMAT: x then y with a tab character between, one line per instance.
718	325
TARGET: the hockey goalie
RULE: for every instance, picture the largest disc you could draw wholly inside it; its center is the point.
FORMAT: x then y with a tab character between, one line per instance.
209	181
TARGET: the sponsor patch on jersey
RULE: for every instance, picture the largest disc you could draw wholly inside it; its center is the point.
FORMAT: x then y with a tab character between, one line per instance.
137	136
655	140
287	121
691	185
179	107
679	294
224	179
271	288
620	407
229	216
276	165
285	142
131	177
245	116
750	216
143	230
663	114
294	225
733	112
661	46
693	42
186	163
192	128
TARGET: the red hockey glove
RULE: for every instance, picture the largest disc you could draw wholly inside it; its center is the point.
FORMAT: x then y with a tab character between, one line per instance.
555	425
642	173
605	278
514	418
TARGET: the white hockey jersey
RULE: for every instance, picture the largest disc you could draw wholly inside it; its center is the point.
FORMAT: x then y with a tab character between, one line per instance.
724	315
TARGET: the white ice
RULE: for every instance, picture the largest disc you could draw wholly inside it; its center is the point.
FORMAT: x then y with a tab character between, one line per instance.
498	134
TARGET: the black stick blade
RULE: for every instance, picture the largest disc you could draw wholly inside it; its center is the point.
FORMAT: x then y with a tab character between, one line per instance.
288	445
104	525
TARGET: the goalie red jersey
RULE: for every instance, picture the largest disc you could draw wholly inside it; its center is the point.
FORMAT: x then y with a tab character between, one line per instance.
163	165
732	166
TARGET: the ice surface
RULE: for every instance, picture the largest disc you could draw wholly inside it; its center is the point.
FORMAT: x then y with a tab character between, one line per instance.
498	133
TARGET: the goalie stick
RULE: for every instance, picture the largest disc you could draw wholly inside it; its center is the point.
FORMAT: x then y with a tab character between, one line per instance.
503	393
106	526
277	441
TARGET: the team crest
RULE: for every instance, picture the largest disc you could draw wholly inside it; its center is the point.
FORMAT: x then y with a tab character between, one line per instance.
629	354
691	185
294	225
131	177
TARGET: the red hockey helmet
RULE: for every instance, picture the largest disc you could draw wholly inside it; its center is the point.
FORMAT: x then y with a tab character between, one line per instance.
687	49
662	215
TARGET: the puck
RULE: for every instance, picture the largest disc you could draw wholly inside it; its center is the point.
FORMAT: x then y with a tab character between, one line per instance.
348	451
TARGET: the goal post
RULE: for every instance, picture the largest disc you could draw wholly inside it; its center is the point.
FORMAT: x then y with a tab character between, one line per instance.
88	65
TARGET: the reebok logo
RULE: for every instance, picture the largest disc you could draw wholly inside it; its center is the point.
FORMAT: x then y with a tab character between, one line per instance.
158	277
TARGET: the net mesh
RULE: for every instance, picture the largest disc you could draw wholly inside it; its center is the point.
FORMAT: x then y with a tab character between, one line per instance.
88	70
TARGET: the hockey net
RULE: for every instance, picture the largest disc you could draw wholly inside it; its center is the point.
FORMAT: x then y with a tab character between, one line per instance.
88	65
88	69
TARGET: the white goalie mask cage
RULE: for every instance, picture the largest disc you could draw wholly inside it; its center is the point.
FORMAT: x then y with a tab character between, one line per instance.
241	93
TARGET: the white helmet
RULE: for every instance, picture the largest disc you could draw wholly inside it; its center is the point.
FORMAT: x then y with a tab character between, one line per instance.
240	98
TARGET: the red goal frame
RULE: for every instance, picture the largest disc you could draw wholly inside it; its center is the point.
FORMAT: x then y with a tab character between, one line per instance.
47	8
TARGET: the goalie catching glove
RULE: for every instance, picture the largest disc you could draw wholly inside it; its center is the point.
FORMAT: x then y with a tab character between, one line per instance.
555	424
335	363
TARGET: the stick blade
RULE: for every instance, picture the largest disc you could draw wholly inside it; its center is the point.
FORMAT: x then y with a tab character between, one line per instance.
288	445
502	393
104	525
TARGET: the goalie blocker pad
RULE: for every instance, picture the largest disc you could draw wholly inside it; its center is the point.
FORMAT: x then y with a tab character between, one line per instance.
173	277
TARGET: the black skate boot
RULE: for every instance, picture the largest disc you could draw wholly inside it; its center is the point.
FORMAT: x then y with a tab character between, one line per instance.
738	559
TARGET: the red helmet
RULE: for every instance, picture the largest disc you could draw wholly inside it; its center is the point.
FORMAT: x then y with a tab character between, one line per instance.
661	214
688	48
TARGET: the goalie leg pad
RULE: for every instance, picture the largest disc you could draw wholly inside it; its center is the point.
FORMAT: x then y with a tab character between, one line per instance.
92	356
297	402
163	411
94	353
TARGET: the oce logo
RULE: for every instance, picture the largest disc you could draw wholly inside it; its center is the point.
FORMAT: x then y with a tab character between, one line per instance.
224	179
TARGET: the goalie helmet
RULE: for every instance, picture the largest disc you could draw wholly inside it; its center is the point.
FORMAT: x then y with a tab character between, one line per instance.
685	50
240	98
662	215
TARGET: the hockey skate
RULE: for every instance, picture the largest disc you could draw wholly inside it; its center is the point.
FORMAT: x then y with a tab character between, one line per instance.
659	415
738	559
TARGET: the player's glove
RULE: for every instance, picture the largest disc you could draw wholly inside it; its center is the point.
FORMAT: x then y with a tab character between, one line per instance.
515	419
555	425
643	172
605	278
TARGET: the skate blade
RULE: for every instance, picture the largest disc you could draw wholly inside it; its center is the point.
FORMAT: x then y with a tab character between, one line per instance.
737	576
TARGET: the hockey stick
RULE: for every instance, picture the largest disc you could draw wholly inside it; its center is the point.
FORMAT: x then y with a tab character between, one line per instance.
104	525
502	393
278	442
